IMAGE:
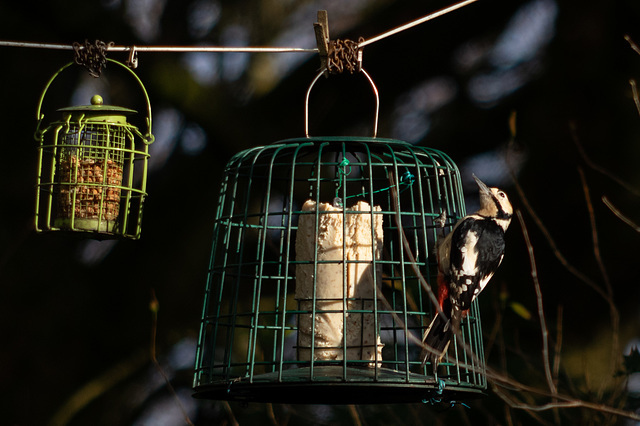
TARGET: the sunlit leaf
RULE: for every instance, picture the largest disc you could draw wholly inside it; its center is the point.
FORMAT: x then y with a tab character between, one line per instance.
520	310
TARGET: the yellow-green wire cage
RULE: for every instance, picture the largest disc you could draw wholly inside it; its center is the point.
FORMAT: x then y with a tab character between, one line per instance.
92	168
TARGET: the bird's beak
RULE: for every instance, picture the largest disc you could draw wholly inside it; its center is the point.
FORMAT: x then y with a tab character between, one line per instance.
483	188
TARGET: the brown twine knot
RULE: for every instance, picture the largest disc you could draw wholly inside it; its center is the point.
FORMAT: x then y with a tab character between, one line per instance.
92	56
343	55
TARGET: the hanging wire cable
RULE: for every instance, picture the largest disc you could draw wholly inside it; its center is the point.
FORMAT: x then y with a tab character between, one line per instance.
416	22
180	49
177	49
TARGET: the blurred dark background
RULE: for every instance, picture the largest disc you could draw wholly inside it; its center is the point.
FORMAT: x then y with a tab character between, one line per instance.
74	314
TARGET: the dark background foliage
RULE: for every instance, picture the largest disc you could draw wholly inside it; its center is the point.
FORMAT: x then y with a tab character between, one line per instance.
75	312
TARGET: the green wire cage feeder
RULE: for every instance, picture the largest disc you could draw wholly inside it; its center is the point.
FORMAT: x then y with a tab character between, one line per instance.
314	292
92	168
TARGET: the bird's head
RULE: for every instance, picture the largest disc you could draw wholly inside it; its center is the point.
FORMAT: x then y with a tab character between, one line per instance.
494	204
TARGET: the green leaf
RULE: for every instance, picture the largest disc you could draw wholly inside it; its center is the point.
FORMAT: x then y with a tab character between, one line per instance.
520	310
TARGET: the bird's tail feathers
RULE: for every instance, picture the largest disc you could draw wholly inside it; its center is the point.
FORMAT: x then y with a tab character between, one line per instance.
456	319
436	338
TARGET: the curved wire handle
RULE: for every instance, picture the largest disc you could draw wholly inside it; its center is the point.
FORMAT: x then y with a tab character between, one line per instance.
148	138
306	105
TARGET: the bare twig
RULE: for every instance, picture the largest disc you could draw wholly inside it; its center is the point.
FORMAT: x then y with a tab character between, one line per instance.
271	414
596	167
556	360
558	347
511	404
506	382
503	381
503	352
543	323
622	217
153	306
407	247
414	265
96	387
560	400
516	404
545	232
563	400
613	311
634	92
497	326
229	411
507	414
355	416
632	44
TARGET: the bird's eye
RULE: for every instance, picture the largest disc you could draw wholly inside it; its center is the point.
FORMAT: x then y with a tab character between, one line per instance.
502	194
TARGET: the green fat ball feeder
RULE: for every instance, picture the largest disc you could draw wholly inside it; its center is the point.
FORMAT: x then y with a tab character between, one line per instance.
313	292
92	169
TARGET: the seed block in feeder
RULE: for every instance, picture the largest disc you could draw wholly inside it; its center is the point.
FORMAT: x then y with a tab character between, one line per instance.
346	244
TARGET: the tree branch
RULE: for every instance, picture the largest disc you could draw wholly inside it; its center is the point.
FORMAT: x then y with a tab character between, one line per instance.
554	248
543	323
613	311
622	217
153	306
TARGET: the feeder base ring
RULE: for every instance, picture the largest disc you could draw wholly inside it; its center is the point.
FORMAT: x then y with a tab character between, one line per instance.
91	225
329	387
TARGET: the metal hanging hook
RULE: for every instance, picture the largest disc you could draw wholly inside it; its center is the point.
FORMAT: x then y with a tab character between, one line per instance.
375	91
132	62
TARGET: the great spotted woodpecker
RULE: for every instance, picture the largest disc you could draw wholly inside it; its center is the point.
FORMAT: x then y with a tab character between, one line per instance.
467	259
